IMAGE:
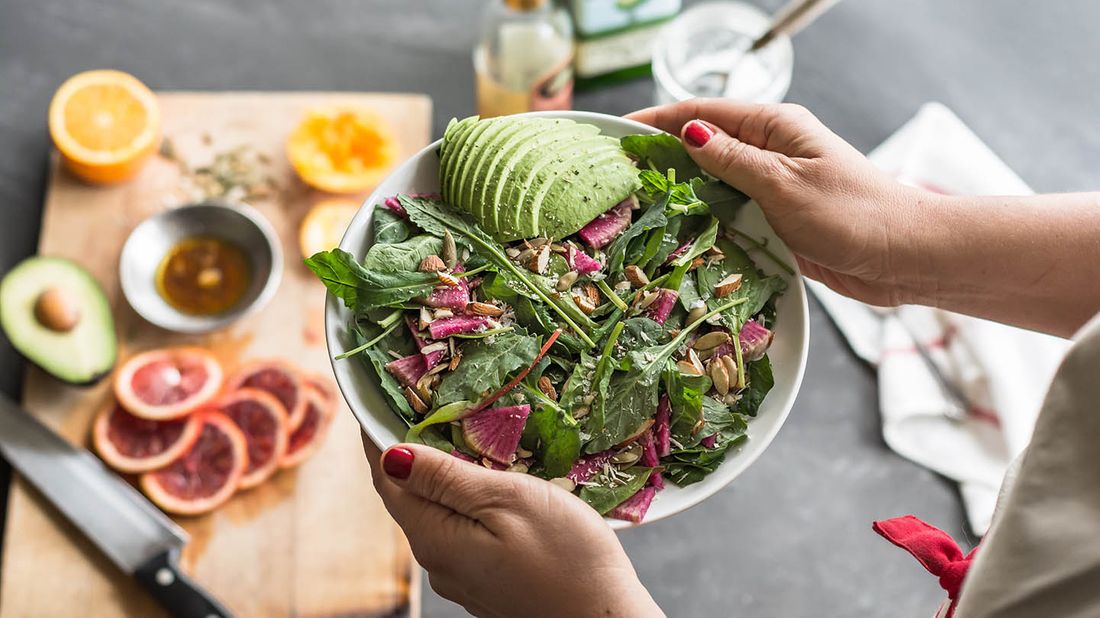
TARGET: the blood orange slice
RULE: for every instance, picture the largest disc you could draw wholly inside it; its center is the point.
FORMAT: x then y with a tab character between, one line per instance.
323	388
308	436
263	420
130	443
204	477
168	383
278	378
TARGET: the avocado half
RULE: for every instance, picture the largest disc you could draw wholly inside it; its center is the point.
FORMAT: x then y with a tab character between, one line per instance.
522	177
56	315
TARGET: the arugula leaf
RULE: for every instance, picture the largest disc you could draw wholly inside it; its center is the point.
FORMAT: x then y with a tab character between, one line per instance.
435	218
402	256
760	381
453	411
756	289
661	152
686	466
485	367
361	289
686	393
389	227
603	494
653	217
559	439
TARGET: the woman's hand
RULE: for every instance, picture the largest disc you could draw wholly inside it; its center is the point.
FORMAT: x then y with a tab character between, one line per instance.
505	544
849	224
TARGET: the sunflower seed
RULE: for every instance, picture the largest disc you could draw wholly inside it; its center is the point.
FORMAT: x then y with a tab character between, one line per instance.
710	341
425	318
720	376
450	251
566	281
564	483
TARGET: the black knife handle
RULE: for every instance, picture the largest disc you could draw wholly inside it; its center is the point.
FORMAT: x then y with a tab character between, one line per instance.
176	592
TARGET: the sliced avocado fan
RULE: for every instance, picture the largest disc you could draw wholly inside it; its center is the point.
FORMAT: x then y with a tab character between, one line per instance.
521	177
57	316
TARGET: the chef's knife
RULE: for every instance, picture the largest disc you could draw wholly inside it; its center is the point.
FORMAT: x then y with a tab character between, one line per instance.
132	532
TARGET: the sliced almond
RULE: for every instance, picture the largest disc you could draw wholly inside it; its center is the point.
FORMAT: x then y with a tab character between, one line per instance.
636	276
438	346
720	376
581	411
699	424
447	279
450	251
432	263
512	252
455	360
547	388
715	251
426	318
485	309
685	366
710	341
443	312
565	483
539	260
728	286
566	281
584	302
622	286
696	263
415	401
647	299
694	359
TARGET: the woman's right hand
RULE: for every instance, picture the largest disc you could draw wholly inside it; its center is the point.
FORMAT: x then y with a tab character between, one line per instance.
850	225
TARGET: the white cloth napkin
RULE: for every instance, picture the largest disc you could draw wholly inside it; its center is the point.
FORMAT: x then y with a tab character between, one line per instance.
1003	372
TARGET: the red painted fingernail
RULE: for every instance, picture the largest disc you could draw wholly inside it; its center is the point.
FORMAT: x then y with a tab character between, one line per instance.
697	134
398	462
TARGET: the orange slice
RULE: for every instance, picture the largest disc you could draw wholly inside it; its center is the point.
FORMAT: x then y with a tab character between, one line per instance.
342	149
105	124
325	224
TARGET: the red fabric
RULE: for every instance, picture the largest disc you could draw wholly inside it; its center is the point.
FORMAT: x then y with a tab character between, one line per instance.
933	548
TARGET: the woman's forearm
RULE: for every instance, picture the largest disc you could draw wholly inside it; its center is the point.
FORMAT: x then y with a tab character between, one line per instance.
1028	261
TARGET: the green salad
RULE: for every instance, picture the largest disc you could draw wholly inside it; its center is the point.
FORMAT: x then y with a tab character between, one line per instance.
570	305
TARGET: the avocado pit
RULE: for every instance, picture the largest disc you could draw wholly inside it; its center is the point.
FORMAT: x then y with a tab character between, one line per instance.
57	310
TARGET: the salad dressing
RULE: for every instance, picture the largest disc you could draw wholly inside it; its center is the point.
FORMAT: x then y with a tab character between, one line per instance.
202	275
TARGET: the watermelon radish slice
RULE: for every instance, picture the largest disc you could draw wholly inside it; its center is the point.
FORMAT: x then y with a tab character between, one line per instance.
635	507
168	383
581	262
709	441
305	439
456	325
661	308
278	378
604	228
431	359
133	444
207	475
662	427
495	432
262	419
394	205
589	466
408	369
755	340
656	480
450	296
649	457
672	257
725	349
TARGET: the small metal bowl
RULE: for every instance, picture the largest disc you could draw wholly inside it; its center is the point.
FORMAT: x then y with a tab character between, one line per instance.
151	240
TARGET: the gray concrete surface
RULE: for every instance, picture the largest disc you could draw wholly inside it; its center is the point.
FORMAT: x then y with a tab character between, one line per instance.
792	537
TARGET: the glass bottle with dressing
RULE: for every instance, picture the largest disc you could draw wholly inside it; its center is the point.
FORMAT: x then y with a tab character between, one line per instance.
524	59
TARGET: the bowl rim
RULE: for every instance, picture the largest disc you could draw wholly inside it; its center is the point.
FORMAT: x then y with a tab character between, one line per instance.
354	239
210	323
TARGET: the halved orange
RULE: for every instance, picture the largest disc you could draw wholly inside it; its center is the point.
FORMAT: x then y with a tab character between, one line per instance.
342	149
323	227
105	123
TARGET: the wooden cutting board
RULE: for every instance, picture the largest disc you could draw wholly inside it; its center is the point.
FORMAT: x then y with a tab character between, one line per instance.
315	541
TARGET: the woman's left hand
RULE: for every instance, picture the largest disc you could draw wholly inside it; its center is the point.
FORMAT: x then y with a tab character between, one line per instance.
505	544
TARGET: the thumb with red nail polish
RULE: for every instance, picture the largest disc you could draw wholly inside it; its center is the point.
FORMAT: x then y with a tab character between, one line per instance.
739	164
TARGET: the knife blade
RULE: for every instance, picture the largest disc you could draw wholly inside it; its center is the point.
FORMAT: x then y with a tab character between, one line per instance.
133	533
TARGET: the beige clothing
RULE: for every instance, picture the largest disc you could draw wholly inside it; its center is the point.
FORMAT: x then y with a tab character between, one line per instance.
1041	557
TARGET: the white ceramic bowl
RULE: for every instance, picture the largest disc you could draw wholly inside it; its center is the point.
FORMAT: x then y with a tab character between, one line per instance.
420	174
